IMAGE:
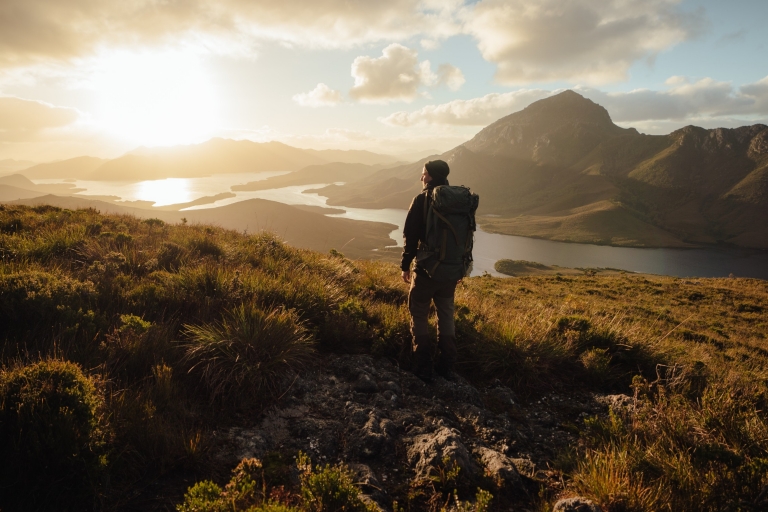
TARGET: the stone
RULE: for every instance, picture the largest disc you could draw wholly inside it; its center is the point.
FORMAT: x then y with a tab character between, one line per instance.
375	435
524	466
426	452
499	467
576	504
365	384
617	403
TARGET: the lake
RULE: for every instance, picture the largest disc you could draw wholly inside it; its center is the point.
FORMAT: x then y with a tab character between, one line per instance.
489	247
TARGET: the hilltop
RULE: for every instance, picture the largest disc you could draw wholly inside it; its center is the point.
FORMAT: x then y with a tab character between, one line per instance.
561	169
163	354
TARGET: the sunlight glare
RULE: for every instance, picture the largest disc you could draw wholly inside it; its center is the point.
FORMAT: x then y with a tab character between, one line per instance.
164	192
156	99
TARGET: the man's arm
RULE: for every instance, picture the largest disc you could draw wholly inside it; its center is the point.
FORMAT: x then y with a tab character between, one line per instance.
411	232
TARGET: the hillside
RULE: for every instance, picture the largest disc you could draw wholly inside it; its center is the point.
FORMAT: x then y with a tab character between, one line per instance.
158	355
560	169
301	227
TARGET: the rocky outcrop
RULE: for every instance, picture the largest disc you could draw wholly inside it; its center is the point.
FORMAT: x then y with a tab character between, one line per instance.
575	505
391	429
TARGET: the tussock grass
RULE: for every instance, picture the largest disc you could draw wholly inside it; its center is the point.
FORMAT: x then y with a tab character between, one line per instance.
248	352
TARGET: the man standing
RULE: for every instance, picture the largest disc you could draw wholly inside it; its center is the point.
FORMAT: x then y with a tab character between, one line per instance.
424	289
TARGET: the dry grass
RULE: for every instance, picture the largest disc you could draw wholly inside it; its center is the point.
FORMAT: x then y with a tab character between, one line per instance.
114	295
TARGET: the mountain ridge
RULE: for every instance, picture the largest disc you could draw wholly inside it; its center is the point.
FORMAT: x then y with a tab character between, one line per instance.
548	170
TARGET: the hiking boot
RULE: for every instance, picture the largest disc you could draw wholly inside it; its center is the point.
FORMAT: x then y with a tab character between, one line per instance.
447	358
422	359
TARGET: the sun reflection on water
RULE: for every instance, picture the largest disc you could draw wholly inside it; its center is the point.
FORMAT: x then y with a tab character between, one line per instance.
164	192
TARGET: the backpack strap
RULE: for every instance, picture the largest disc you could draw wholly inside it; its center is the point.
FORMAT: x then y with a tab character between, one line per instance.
448	223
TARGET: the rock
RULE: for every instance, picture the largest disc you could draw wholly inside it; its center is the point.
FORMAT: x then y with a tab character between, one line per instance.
372	438
499	467
576	505
618	402
364	477
524	466
426	452
365	384
369	485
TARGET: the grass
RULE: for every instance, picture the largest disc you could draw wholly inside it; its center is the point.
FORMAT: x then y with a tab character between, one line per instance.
164	312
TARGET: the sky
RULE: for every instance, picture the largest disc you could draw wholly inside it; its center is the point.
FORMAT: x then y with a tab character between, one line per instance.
103	77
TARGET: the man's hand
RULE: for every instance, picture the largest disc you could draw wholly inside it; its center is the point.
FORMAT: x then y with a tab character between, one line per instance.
406	275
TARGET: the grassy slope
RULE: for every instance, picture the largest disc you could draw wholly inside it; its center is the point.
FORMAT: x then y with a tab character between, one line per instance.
696	348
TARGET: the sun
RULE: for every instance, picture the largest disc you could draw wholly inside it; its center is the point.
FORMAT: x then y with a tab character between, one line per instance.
157	98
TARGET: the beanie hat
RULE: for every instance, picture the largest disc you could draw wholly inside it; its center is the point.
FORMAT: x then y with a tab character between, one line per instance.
438	170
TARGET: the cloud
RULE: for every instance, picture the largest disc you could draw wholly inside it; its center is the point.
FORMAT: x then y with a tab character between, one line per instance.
451	76
320	96
397	76
20	118
684	102
41	30
473	112
584	41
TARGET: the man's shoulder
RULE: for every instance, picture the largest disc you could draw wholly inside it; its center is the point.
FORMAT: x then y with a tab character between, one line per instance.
419	199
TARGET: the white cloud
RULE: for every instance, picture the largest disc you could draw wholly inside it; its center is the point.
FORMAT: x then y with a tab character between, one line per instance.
684	102
21	119
451	76
320	96
589	41
45	30
473	112
397	76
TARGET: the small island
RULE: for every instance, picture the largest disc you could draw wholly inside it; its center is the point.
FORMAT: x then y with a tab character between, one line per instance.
518	268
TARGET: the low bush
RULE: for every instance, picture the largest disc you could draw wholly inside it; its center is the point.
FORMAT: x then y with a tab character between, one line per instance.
245	492
52	435
248	352
329	488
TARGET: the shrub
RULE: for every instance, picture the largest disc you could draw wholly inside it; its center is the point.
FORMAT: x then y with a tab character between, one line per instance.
52	435
329	489
42	300
245	492
206	246
170	256
249	351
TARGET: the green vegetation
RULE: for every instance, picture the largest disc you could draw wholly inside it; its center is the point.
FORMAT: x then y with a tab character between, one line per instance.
131	345
51	437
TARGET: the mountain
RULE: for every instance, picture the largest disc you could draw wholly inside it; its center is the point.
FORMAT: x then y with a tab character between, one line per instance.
9	165
354	156
313	174
215	156
73	168
561	169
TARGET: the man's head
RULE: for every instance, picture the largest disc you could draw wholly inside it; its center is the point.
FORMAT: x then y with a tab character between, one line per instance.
436	171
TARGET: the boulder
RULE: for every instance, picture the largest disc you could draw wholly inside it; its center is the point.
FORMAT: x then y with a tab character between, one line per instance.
426	452
576	504
375	435
499	467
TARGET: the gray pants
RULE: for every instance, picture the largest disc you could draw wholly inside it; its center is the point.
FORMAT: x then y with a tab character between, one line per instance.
423	291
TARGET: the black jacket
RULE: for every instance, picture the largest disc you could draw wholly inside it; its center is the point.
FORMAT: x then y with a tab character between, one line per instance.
415	225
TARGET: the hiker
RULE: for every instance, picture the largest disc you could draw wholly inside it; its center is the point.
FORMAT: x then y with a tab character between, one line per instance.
441	244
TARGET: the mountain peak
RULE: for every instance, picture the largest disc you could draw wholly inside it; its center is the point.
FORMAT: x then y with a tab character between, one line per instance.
567	105
537	131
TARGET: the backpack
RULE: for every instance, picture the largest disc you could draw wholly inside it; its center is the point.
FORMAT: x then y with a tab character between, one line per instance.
445	254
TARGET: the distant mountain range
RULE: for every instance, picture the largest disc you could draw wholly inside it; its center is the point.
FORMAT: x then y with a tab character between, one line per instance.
215	156
560	169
